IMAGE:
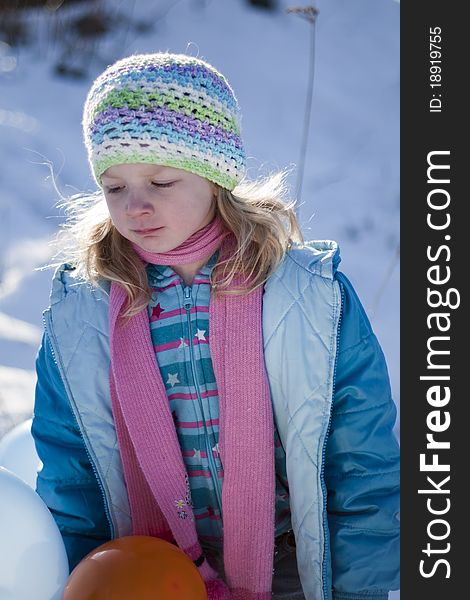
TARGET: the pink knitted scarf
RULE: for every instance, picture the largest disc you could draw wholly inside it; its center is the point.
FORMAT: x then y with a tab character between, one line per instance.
156	478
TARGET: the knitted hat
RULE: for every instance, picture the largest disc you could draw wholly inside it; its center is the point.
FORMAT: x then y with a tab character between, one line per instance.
167	109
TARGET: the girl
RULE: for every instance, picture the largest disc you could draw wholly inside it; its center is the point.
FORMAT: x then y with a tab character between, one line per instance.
205	376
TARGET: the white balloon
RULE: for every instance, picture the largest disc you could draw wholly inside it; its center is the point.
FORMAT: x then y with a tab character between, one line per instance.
18	453
33	562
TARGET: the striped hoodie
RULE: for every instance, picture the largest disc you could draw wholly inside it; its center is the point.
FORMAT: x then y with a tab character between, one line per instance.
179	325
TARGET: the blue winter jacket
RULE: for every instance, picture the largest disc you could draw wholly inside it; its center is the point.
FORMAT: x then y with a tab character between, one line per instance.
331	401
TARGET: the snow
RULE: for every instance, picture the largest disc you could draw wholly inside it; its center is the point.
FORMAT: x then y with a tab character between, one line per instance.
351	182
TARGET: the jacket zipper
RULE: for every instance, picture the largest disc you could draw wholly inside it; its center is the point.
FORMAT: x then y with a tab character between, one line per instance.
86	444
188	304
323	485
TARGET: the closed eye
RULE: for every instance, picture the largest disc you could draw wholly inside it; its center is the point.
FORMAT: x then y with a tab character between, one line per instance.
162	184
114	190
158	184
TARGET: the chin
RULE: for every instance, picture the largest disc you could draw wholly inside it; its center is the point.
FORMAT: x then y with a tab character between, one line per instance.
155	245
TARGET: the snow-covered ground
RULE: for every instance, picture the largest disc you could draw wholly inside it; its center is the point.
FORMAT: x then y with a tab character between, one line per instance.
351	183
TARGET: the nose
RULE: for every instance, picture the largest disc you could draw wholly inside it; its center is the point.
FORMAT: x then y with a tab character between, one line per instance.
138	204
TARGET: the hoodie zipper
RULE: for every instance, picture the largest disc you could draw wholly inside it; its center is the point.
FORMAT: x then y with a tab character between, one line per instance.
188	304
323	485
91	456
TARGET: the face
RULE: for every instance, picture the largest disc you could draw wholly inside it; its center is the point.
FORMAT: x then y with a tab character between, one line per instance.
157	207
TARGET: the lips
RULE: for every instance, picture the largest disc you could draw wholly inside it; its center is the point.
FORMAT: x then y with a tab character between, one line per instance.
147	231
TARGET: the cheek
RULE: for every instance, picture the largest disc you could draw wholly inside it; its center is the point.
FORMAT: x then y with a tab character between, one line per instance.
116	215
198	215
202	205
113	213
190	208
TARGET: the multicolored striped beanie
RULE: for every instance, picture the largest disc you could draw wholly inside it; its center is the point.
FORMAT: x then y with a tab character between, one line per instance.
167	109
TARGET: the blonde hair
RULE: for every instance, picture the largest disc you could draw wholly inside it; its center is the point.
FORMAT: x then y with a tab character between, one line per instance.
262	220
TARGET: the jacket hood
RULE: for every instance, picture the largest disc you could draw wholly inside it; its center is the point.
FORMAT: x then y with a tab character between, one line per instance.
320	257
66	282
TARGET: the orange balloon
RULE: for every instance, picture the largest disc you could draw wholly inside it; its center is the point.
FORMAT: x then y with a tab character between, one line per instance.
136	567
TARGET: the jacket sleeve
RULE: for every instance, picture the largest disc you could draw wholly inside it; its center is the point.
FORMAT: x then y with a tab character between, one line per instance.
362	463
66	483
